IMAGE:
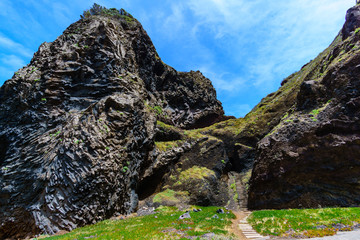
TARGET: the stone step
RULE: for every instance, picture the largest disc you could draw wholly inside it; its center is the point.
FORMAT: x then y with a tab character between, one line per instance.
247	229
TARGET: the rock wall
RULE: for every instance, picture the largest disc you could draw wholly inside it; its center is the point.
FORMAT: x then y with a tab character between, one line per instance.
311	159
77	125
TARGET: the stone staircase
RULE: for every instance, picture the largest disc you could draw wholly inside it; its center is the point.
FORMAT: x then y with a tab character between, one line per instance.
248	231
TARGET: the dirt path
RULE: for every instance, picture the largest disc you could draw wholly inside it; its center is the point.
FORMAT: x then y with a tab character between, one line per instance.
235	225
242	229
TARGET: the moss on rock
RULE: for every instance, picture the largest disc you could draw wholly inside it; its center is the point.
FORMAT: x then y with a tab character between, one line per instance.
170	197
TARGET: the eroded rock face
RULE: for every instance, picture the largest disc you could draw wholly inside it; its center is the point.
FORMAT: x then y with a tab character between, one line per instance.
311	158
77	125
352	21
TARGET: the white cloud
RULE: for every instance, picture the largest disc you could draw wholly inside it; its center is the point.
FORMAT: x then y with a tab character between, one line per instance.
175	21
279	37
14	46
224	81
12	61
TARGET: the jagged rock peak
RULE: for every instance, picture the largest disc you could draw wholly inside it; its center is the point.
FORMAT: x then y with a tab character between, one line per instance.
352	21
77	124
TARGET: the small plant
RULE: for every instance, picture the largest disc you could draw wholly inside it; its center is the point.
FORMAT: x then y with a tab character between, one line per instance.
96	9
107	148
33	69
55	134
86	46
43	99
106	128
36	80
17	73
223	161
4	169
315	112
125	169
76	141
76	45
158	110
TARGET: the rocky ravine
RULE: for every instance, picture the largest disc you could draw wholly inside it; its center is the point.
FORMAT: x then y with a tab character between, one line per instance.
97	125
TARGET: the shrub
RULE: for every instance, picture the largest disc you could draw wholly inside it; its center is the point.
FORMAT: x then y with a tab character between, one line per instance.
96	9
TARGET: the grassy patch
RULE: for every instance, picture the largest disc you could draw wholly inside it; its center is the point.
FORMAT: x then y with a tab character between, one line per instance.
245	178
164	146
165	126
165	224
170	197
295	222
195	173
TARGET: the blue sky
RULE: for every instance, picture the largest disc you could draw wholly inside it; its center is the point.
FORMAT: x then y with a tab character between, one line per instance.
245	47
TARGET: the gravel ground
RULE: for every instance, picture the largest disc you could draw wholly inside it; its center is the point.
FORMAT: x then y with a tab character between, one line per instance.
353	235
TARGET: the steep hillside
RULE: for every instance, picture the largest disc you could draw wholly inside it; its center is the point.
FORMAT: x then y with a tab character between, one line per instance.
311	158
97	125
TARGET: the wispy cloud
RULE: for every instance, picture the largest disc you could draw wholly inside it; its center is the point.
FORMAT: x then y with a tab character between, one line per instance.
224	81
269	39
245	47
12	61
14	46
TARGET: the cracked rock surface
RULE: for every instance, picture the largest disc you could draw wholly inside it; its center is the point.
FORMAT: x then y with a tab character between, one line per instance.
77	125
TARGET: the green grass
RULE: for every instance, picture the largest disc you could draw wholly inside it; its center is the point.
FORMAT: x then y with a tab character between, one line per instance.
165	224
196	172
170	196
164	146
303	221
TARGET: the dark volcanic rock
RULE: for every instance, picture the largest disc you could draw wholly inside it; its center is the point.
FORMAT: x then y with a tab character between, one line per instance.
352	21
97	122
194	166
77	125
311	158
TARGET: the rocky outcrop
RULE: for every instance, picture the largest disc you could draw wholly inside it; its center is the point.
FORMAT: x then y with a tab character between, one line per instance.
352	22
311	159
97	122
77	124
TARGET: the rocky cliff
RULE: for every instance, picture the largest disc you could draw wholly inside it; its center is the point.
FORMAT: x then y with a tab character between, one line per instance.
77	124
311	158
97	125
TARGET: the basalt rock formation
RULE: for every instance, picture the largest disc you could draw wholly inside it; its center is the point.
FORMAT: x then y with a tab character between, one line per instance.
97	125
311	158
77	124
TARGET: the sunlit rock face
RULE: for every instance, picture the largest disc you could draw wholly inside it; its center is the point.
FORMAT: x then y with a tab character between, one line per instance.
77	124
312	158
